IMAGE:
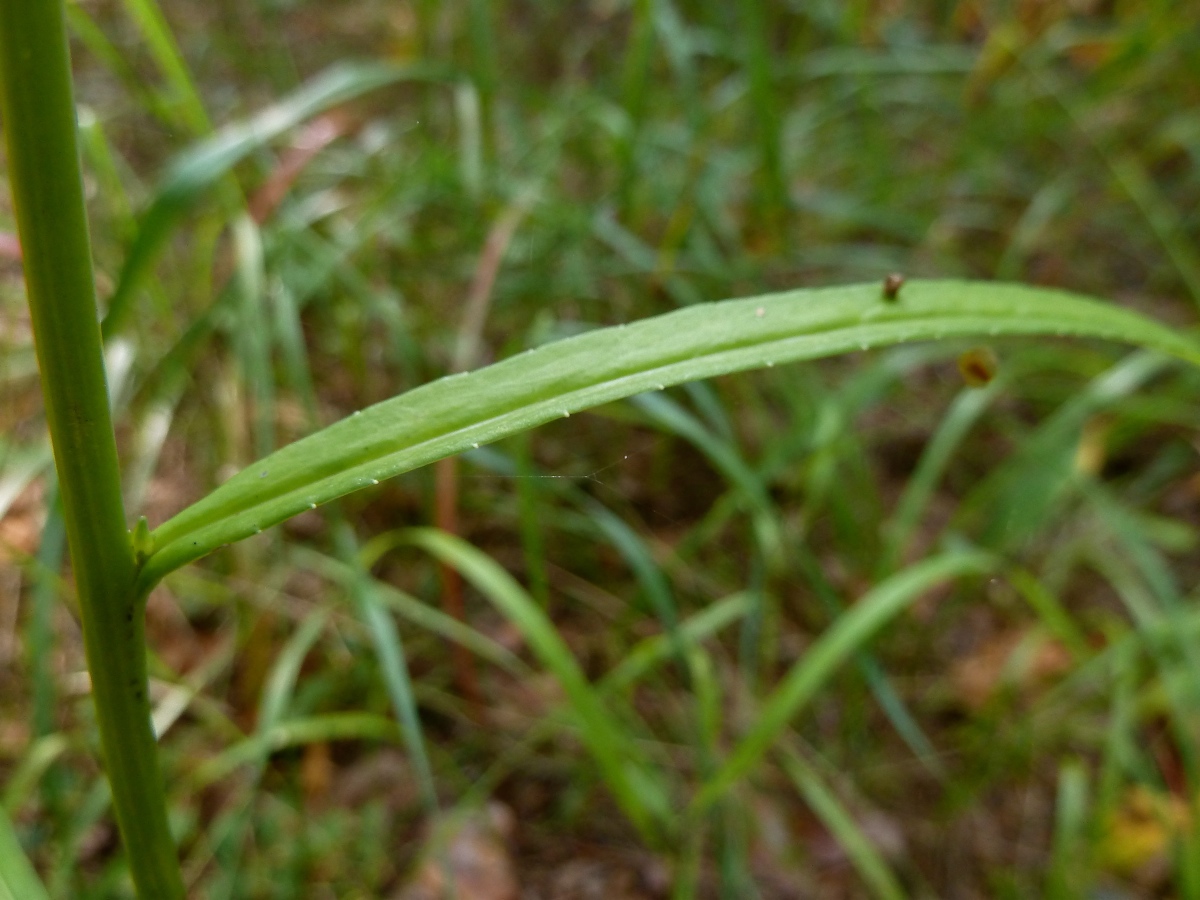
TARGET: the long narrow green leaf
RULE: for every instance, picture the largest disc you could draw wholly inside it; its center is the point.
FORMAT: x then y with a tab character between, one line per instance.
408	607
252	750
645	657
1021	494
724	456
1069	867
18	880
649	652
22	781
281	682
635	785
200	168
871	866
847	635
393	664
156	33
886	695
962	415
453	414
229	835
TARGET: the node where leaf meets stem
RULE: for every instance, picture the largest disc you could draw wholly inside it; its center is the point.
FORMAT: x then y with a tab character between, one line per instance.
47	190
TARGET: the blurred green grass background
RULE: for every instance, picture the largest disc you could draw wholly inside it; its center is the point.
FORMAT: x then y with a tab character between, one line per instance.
551	167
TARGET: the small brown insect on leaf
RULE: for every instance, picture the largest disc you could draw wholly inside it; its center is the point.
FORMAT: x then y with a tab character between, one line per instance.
892	285
978	366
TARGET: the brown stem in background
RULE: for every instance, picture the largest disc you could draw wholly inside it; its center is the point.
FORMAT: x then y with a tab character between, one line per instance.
466	353
305	146
479	297
10	246
310	141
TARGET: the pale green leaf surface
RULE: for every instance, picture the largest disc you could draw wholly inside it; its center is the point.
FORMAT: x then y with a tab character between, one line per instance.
453	414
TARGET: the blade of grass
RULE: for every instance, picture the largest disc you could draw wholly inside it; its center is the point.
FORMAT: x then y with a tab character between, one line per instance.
18	880
849	633
21	466
635	79
1057	620
872	670
963	413
695	666
289	337
281	683
1046	205
87	811
390	652
1164	220
252	336
872	868
1019	496
87	33
1068	867
529	507
296	732
23	779
161	41
723	454
485	73
646	656
637	788
652	651
228	835
1173	657
1122	751
202	167
453	414
650	577
422	615
757	35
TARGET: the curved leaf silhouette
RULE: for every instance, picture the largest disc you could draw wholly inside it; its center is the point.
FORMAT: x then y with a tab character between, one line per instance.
458	412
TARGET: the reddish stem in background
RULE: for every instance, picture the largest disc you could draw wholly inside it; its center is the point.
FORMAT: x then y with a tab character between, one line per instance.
10	246
466	353
446	518
308	143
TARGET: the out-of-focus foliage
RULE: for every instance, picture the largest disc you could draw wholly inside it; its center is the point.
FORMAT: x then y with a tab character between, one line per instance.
568	165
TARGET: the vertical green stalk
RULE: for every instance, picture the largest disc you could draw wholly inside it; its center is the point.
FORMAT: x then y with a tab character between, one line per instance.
774	198
483	65
43	159
639	59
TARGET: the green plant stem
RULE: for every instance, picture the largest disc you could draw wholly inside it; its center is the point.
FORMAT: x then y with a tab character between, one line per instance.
39	124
